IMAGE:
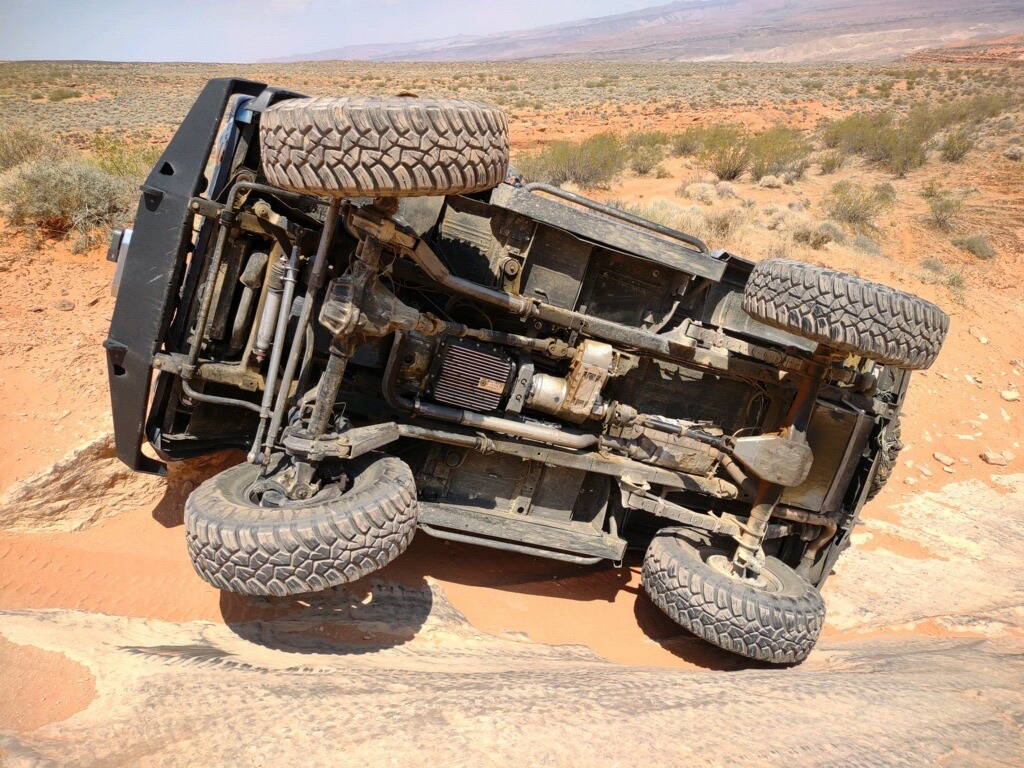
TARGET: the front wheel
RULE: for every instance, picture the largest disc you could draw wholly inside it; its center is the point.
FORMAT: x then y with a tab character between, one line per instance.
347	530
776	618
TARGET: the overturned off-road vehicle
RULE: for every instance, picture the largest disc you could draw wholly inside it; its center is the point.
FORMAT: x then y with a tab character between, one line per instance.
403	335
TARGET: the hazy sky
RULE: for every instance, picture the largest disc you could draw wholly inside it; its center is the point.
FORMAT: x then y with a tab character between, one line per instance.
250	30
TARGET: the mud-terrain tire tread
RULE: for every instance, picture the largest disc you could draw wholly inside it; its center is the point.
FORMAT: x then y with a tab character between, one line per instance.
846	313
890	451
239	547
779	627
384	147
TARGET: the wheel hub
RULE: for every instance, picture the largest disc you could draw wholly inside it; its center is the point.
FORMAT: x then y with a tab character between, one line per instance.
763	580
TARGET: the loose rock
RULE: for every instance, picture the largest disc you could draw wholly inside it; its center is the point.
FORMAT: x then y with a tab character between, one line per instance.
977	333
64	305
995	459
943	459
1010	395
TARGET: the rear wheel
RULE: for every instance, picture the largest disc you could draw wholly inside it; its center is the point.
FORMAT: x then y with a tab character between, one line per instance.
775	618
384	147
347	530
846	313
891	445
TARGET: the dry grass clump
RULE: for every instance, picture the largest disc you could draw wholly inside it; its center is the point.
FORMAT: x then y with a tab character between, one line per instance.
20	143
817	236
976	245
699	191
855	204
120	158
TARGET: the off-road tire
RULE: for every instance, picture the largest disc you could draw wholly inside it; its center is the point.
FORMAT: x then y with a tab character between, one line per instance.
241	547
846	313
780	627
384	147
889	452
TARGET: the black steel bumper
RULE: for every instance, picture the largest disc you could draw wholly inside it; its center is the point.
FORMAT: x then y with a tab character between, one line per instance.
155	265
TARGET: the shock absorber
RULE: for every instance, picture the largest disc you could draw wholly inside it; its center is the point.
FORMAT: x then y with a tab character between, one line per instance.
747	559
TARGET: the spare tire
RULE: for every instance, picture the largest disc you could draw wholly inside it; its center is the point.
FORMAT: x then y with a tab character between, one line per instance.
384	147
332	538
776	619
846	313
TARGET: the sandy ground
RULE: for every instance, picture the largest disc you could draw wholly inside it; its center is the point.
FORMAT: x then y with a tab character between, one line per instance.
113	652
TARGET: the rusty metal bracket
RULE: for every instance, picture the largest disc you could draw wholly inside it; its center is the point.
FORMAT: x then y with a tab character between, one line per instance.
346	445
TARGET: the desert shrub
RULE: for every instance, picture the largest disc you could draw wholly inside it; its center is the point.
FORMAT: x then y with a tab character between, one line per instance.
725	190
957	285
778	151
770	182
817	236
976	245
885	191
66	195
855	204
643	159
944	204
1014	153
661	172
726	152
856	134
932	265
638	139
900	149
864	243
689	141
831	161
956	145
60	94
702	193
593	162
19	143
722	223
115	155
37	95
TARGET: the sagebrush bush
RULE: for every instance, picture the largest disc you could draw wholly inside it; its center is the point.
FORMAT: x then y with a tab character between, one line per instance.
66	196
590	163
689	141
639	139
944	204
644	159
60	94
976	245
855	204
831	161
778	151
956	145
725	152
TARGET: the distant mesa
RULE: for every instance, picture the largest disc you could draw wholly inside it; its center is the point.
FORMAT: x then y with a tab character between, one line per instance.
736	30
